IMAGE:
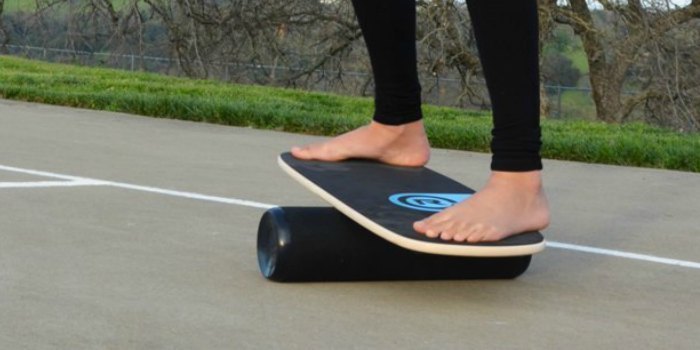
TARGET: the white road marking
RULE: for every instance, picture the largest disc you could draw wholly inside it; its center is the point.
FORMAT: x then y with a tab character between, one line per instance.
192	195
626	255
82	181
43	173
88	181
45	184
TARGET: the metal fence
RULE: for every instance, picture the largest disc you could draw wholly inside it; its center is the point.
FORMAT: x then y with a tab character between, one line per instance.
563	102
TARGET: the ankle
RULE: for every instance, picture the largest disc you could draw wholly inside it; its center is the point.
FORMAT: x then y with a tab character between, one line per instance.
392	130
412	126
528	180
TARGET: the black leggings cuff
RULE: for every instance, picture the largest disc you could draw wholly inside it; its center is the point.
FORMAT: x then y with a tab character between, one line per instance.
399	118
516	164
398	108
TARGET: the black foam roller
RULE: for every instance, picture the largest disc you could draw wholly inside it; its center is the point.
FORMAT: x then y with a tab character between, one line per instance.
305	244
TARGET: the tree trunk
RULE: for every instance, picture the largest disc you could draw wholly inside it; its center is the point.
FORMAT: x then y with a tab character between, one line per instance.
546	26
4	35
607	92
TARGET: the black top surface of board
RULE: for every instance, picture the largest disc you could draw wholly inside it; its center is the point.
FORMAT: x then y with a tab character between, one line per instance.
391	196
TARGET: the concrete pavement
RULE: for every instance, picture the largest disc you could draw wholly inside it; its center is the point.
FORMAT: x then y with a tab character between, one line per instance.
131	262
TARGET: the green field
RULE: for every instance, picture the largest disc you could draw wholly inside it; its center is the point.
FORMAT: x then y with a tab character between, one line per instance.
579	59
577	105
325	114
19	5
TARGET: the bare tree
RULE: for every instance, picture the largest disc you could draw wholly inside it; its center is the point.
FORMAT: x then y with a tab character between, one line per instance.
616	38
448	49
4	34
118	31
304	36
642	55
669	78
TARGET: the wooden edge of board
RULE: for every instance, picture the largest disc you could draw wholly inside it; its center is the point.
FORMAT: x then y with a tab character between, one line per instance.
408	243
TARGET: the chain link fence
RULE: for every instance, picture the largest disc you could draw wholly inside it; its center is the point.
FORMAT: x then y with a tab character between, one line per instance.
562	102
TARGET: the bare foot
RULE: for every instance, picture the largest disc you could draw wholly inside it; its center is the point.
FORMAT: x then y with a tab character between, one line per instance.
403	145
510	203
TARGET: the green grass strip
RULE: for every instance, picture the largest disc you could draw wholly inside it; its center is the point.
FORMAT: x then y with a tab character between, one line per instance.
325	114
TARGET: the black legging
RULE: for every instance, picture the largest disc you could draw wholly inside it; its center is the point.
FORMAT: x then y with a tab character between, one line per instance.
507	38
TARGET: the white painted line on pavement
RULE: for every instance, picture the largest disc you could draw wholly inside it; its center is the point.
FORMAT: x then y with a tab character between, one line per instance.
626	255
192	195
44	173
46	184
242	202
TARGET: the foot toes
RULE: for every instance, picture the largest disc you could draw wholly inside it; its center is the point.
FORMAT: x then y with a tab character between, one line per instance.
458	237
432	233
446	235
420	226
301	152
473	239
428	224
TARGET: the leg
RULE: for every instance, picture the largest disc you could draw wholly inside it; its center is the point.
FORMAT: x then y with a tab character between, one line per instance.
513	200
396	135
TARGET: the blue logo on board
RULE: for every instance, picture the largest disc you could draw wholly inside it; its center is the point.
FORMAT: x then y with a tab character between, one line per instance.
432	202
